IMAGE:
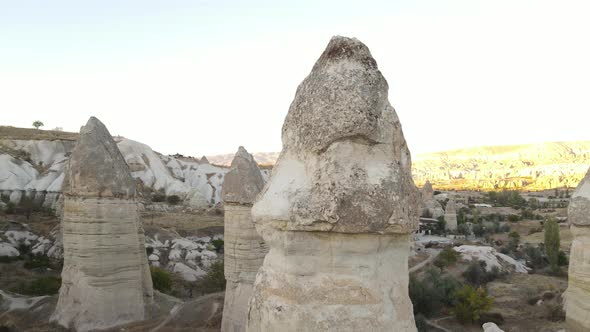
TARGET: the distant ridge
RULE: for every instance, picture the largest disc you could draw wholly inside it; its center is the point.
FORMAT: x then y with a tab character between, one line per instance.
524	167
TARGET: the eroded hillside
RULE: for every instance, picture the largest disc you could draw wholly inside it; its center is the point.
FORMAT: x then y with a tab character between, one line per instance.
528	167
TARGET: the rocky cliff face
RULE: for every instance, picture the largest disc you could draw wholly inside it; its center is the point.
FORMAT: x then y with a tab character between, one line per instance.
105	278
577	297
33	166
529	167
339	206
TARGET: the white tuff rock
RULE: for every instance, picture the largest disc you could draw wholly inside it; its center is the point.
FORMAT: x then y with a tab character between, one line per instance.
105	279
339	206
244	248
577	296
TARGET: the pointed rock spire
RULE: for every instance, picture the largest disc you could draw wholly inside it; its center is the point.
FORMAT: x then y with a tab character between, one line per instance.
244	181
339	206
96	167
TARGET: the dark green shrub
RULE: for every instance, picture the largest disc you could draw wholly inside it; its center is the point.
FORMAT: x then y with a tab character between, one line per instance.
39	287
218	244
149	251
158	197
37	261
9	259
535	256
562	259
10	208
505	228
471	303
463	229
161	279
447	257
513	218
214	281
173	199
478	230
555	313
476	273
421	324
432	292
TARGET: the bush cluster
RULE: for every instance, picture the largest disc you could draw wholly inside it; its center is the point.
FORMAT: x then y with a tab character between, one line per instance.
432	292
161	279
39	287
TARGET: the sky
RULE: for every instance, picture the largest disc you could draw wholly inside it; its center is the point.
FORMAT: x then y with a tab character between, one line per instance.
204	77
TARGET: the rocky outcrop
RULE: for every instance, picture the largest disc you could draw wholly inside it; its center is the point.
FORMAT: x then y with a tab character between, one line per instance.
105	279
35	168
430	207
526	167
244	248
577	298
339	207
451	215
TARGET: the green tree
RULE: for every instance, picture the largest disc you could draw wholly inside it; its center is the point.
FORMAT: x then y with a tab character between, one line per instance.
552	243
37	124
470	303
214	281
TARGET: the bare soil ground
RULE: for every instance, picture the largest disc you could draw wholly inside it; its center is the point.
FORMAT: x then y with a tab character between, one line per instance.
36	134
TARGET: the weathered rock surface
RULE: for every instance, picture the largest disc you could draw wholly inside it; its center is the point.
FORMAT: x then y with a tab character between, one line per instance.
577	297
451	214
244	248
105	279
339	206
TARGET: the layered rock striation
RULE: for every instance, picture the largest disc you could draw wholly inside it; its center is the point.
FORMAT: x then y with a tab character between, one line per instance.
244	248
577	298
339	207
106	279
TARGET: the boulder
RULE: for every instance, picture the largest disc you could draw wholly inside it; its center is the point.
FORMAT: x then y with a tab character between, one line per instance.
491	327
339	207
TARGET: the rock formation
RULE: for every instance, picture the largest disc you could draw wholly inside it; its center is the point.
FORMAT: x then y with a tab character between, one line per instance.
105	279
427	191
577	298
451	215
339	207
244	248
430	207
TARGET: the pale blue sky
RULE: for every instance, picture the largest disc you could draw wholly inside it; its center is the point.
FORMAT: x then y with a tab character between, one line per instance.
203	77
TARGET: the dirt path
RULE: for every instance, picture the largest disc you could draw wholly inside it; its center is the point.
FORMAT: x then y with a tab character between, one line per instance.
433	254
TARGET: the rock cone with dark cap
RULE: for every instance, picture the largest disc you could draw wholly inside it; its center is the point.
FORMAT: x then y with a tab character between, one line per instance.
339	207
244	248
105	279
577	296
